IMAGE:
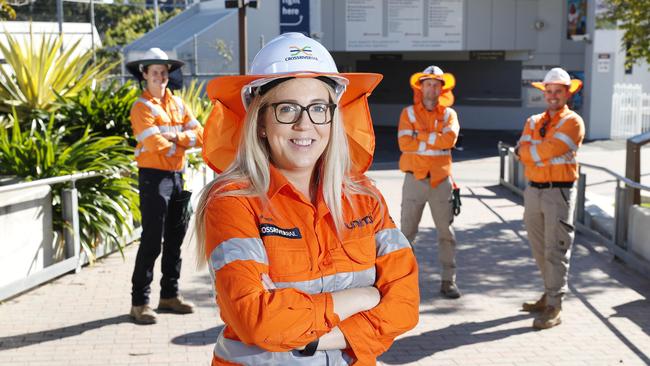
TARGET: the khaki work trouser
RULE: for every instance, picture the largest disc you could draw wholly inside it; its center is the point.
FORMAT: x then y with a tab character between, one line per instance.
548	216
415	195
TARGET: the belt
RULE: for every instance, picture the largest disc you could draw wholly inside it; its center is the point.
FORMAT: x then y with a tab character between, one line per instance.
551	185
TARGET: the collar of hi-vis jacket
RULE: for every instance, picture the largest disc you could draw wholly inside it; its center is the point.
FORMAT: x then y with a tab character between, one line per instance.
437	114
551	121
279	184
165	103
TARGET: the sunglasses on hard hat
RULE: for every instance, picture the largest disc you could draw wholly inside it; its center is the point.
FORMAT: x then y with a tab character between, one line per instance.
290	112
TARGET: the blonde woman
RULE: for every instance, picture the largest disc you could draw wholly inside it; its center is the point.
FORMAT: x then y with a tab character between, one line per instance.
309	268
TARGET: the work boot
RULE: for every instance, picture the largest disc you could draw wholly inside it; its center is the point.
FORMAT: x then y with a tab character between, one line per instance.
176	305
143	314
449	290
535	307
549	318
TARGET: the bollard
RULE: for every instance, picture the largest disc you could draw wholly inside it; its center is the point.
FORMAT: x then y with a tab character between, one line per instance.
580	201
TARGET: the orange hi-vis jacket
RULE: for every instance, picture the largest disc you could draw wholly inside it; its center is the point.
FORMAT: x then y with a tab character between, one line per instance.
552	157
295	243
152	116
426	139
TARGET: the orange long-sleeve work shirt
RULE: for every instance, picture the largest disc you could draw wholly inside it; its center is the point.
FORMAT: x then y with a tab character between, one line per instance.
552	157
425	139
150	117
295	242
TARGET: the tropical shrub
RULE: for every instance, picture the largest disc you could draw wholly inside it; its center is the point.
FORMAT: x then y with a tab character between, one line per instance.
39	73
106	203
105	110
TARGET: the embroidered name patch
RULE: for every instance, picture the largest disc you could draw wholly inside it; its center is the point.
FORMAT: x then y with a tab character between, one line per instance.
272	230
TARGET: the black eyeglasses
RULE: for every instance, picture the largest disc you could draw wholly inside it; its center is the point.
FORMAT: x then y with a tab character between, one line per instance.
289	112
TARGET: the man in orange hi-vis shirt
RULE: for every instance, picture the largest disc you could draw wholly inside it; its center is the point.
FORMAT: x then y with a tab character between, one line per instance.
309	268
164	127
547	148
427	132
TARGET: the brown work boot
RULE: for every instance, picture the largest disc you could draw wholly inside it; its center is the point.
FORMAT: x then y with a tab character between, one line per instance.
449	290
549	318
176	305
143	314
535	307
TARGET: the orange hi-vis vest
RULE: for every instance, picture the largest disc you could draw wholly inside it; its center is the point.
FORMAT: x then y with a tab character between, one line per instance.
152	116
426	139
552	157
296	244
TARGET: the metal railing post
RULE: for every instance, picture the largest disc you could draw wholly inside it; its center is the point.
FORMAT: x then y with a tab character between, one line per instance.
70	208
620	219
580	201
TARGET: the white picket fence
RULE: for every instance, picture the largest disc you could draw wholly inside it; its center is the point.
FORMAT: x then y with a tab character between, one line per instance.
630	111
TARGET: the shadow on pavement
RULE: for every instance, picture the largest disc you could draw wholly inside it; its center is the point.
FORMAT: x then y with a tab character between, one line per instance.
200	338
28	339
453	336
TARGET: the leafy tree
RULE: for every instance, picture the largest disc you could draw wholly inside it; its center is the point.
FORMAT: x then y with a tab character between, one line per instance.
634	18
6	11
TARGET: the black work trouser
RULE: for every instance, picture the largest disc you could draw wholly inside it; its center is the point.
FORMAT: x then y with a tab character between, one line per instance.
164	222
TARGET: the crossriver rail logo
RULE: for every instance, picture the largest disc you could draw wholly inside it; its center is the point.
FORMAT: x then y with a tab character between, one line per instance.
300	53
272	230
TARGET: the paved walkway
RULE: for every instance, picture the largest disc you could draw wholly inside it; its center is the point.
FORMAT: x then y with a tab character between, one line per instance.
81	319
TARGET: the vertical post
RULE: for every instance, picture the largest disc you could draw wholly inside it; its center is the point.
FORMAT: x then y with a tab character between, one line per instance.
243	48
122	65
59	16
620	216
196	55
580	202
72	238
155	11
92	29
633	167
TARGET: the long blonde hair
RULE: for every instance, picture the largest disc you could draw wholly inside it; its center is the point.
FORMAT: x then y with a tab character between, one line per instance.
251	167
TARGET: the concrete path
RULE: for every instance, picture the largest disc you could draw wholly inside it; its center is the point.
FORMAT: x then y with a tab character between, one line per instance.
82	319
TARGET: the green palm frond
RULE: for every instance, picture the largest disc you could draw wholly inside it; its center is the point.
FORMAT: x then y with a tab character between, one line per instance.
40	71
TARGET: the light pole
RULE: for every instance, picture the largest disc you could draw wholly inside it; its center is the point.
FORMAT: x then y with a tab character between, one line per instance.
243	47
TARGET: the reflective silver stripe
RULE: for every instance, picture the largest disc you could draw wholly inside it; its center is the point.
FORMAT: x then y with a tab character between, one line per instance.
240	353
154	110
405	133
192	137
532	120
525	138
411	113
171	150
138	151
561	160
559	124
238	249
535	154
191	124
446	115
335	282
535	142
175	128
429	152
422	146
179	103
432	138
147	132
566	139
390	240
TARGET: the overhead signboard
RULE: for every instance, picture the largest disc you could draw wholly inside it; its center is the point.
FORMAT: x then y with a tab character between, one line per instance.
404	25
294	16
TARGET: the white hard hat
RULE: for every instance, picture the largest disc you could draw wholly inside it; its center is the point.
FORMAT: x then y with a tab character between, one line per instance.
433	70
290	54
557	75
153	56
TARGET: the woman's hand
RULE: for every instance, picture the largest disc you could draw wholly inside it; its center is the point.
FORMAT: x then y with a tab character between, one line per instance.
355	300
